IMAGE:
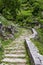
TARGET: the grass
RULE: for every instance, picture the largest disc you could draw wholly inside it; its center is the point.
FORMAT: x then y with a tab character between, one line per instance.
27	55
28	58
39	43
20	31
1	53
40	34
39	46
7	42
5	21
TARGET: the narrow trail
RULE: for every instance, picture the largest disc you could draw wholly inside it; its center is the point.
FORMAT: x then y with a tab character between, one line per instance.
15	53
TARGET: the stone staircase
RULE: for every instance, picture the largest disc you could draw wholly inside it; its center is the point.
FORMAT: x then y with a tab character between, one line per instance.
15	55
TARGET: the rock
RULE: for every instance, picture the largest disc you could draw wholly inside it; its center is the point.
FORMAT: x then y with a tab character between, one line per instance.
7	32
10	36
11	29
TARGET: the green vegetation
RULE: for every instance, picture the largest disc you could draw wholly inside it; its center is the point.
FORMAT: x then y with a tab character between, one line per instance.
20	10
5	43
5	21
20	31
27	55
39	42
40	35
9	11
1	53
39	46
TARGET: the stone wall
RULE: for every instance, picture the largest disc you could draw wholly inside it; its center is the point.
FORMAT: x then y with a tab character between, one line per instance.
35	57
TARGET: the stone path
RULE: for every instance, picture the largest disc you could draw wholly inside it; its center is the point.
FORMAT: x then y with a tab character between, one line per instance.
15	53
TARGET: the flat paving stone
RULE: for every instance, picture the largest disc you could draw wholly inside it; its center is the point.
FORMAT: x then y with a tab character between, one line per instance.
14	48
14	64
15	52
9	60
15	55
41	58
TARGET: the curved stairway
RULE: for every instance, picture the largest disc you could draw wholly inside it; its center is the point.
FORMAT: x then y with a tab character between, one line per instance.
15	53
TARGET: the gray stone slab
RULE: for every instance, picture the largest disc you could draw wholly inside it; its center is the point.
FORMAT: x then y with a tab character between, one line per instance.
9	60
37	61
41	58
15	55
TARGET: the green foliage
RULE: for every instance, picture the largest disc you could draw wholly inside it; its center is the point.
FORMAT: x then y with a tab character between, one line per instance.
31	10
5	21
20	10
1	53
10	8
24	17
36	9
40	34
39	46
1	5
39	42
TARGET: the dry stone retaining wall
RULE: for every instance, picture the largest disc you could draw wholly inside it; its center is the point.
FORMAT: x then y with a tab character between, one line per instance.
35	57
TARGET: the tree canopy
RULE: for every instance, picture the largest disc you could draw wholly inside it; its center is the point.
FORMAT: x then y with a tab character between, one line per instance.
20	10
9	7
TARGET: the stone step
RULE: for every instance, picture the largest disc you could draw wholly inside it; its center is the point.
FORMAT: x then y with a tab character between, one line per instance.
15	55
15	52
19	45
14	64
12	60
14	48
15	45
